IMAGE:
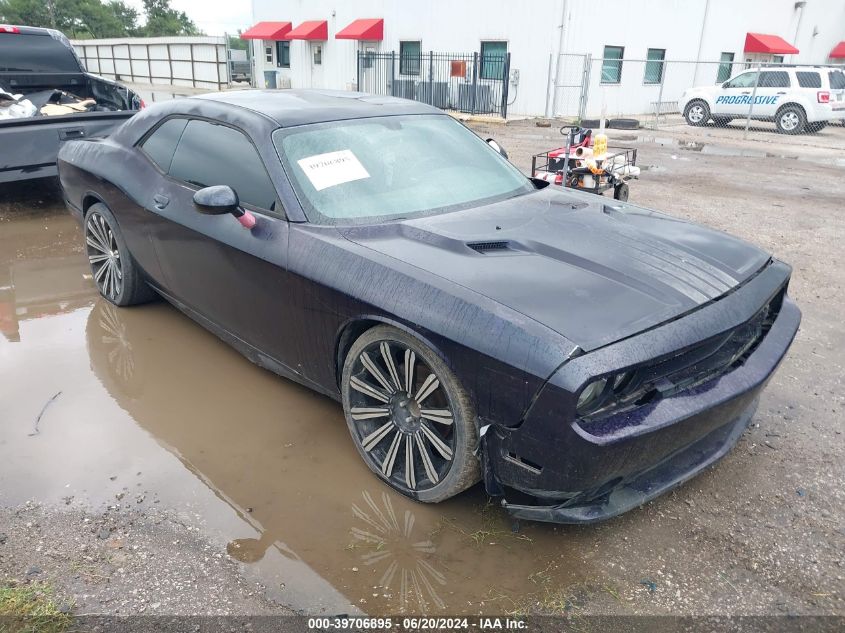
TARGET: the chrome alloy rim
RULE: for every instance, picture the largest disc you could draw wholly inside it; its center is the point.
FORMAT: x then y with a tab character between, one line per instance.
696	114
789	121
104	256
402	416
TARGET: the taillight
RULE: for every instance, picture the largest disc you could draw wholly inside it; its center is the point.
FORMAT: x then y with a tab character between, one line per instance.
4	28
823	96
143	104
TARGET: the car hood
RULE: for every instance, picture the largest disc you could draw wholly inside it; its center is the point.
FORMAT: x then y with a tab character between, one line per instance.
594	270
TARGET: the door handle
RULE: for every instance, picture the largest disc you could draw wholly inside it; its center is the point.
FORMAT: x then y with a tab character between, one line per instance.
782	92
70	133
746	92
160	201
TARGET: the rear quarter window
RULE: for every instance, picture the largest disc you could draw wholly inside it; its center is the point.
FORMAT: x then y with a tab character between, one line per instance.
807	79
837	80
161	144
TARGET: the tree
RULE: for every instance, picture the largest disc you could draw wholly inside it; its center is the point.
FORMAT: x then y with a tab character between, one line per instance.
98	19
163	20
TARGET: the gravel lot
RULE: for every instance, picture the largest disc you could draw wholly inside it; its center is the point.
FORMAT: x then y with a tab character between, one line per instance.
762	533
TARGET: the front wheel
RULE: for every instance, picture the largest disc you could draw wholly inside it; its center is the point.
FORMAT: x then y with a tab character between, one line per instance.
410	419
697	113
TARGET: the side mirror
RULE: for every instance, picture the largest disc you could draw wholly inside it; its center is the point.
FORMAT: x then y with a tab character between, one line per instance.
492	143
217	200
220	200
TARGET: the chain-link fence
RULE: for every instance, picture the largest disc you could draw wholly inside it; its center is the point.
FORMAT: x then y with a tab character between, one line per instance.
656	93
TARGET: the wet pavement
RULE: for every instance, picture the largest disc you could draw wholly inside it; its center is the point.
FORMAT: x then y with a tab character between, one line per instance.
140	410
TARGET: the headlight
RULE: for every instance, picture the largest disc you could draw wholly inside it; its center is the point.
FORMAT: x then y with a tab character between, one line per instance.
604	393
590	395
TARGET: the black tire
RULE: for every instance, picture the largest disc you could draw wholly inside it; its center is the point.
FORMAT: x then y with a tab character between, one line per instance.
818	126
590	123
620	192
115	273
791	119
697	113
722	121
399	428
623	124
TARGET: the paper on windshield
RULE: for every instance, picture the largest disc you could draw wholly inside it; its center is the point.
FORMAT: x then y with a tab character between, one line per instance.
333	168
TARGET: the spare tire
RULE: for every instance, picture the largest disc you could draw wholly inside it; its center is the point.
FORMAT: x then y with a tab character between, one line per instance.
623	124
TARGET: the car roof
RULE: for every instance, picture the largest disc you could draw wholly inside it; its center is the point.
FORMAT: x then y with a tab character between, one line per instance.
33	30
302	107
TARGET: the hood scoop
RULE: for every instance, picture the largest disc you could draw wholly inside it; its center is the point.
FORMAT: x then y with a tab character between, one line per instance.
487	248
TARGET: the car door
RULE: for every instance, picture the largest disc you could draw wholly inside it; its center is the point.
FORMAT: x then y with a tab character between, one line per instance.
771	89
232	277
735	95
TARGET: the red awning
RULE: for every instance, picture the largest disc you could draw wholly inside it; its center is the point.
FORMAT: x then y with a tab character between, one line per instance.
762	43
310	30
370	29
267	31
838	51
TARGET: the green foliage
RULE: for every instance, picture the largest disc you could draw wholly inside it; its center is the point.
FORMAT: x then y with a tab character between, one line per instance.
31	609
85	19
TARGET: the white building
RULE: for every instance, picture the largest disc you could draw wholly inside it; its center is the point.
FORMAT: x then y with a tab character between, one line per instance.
633	45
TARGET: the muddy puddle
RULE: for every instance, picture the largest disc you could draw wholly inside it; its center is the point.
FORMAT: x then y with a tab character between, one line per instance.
102	405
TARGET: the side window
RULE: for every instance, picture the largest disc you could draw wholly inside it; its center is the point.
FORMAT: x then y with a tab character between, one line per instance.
493	57
837	80
283	54
611	64
808	79
726	62
409	58
161	144
774	79
745	80
211	154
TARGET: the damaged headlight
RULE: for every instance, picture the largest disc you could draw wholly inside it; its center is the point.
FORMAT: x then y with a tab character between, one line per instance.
605	391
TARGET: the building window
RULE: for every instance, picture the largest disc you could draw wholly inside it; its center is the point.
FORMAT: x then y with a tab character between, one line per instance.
409	58
654	66
726	63
318	54
268	54
283	54
493	58
777	59
611	65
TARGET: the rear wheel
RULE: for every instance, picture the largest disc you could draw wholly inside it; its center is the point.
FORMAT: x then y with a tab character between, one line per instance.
791	119
410	419
115	272
697	112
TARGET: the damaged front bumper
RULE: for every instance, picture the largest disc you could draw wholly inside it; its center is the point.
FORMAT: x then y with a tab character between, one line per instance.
553	468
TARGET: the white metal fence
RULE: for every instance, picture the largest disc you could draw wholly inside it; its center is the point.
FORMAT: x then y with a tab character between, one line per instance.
196	62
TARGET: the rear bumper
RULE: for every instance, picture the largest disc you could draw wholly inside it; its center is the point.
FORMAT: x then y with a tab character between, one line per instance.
551	470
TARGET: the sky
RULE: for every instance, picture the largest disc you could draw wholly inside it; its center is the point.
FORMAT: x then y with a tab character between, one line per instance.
214	17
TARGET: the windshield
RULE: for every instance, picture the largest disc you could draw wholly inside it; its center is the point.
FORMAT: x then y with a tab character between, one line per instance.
371	170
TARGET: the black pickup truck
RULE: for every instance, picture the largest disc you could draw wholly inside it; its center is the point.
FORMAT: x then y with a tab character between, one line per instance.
36	62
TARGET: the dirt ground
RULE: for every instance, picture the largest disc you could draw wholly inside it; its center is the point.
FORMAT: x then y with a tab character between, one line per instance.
144	487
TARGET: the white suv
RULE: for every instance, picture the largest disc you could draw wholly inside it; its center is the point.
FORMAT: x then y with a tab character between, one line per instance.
796	98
